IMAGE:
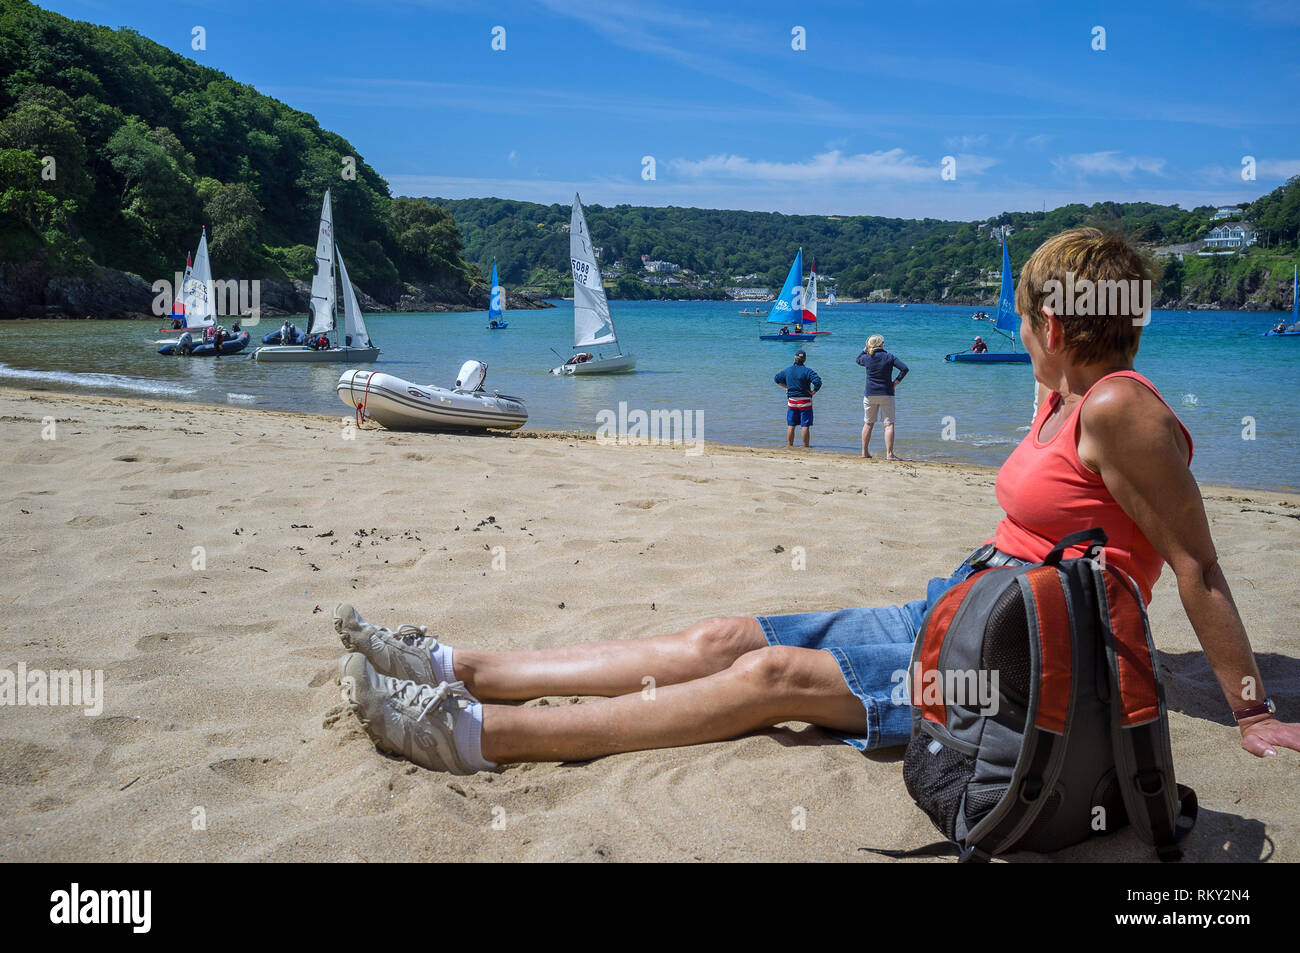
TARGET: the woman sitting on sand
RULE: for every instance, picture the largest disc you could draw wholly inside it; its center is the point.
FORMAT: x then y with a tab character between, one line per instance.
1104	450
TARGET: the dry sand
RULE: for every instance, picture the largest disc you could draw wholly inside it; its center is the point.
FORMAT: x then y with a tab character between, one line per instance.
221	692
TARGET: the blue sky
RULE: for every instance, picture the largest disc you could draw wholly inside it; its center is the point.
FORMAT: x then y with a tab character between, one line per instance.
859	122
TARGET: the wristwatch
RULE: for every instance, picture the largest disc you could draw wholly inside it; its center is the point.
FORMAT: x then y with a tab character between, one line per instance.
1268	708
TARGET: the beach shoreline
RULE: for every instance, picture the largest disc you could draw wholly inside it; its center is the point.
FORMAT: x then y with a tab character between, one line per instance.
776	450
193	554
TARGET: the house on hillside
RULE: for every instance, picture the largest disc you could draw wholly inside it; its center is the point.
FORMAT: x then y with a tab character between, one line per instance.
1231	235
1227	211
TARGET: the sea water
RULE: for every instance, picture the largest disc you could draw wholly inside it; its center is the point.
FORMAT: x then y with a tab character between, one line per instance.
1233	388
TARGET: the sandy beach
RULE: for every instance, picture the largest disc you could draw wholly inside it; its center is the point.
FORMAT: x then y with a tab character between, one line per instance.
194	555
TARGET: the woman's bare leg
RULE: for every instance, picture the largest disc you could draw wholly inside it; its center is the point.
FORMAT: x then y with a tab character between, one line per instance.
609	668
764	687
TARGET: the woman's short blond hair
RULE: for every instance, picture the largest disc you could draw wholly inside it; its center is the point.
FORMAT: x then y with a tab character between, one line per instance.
875	343
1097	284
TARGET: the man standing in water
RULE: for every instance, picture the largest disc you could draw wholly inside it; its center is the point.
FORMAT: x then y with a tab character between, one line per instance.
800	384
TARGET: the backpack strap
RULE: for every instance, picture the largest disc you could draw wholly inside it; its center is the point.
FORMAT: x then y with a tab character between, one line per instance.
1160	810
1096	537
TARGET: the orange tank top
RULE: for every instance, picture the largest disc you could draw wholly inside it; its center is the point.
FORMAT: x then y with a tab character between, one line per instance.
1047	493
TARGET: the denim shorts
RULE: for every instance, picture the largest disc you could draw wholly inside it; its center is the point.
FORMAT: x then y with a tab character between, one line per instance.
873	648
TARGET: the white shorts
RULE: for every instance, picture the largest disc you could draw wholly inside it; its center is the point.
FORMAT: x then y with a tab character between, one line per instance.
884	406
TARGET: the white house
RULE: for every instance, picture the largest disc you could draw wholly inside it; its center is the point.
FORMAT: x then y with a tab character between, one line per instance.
1227	211
1230	235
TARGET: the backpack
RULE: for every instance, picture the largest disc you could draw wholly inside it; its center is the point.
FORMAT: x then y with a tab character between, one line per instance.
1038	715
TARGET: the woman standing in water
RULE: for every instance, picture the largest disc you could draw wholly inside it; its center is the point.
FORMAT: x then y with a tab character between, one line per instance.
879	397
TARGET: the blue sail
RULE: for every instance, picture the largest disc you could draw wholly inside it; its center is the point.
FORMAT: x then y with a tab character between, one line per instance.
1007	319
788	307
498	294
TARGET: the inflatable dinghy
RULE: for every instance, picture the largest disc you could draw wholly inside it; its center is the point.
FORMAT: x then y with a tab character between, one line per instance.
186	346
401	405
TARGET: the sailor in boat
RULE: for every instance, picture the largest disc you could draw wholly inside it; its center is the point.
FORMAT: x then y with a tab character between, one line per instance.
582	357
218	338
979	347
1280	329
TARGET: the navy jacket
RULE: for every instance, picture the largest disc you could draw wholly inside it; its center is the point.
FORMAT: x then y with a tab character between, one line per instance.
880	380
799	381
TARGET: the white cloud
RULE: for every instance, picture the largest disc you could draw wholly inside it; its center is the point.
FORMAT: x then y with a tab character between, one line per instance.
1108	163
892	165
1280	168
513	158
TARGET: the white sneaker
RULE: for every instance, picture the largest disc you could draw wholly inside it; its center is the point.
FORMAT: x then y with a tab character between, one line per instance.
406	653
401	717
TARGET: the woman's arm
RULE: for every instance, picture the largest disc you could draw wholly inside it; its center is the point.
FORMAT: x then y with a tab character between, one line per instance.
1134	442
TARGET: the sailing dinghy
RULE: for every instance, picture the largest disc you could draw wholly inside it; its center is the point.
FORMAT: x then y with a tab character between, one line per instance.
1007	322
1292	330
792	307
592	323
193	310
356	344
496	304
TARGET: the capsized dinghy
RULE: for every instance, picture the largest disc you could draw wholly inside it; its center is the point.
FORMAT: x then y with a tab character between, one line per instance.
401	405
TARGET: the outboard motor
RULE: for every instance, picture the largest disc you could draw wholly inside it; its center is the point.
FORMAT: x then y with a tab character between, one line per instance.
470	378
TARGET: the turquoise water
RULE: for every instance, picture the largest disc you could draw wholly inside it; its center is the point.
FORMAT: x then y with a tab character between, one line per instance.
1214	368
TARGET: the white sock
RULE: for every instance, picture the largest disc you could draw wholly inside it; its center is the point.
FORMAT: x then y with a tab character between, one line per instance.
469	738
443	667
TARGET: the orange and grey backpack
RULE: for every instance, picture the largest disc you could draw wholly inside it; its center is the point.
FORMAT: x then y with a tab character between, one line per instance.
1038	713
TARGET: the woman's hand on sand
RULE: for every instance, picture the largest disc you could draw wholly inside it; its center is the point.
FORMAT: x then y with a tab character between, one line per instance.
1263	738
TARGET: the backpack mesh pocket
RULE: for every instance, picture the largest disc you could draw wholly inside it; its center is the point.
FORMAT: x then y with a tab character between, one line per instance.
981	800
936	776
1006	645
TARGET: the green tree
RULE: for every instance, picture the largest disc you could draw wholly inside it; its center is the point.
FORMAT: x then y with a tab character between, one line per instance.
235	218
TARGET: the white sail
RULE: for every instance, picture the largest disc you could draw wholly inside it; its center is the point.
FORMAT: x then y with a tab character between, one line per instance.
353	326
592	323
323	294
810	296
196	289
